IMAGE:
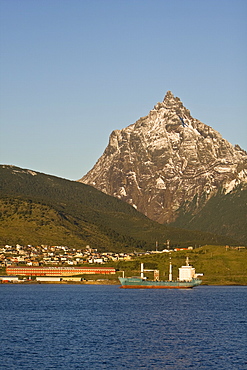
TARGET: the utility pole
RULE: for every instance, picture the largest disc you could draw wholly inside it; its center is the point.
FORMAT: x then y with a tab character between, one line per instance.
168	244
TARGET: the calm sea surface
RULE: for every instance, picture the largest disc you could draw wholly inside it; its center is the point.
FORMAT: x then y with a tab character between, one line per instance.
104	327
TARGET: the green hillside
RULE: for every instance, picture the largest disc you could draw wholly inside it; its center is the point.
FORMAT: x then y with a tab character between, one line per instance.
41	209
224	214
219	265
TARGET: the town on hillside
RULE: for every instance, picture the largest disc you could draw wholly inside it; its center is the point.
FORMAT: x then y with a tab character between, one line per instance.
45	255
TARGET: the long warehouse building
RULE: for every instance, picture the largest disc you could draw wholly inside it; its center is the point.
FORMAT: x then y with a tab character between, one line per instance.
58	271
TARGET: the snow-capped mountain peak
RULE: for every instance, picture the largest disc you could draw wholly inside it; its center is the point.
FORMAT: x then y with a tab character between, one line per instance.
167	159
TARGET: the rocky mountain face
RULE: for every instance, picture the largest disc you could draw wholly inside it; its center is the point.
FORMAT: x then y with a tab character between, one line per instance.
166	161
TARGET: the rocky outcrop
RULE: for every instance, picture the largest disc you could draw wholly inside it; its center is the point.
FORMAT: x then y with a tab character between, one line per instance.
165	160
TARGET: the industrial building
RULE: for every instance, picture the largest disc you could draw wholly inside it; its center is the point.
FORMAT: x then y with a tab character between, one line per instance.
58	271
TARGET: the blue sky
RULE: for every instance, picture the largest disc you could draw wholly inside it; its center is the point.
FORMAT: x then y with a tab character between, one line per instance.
72	71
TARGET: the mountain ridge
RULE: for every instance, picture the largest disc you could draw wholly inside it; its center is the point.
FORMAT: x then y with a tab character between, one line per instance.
166	161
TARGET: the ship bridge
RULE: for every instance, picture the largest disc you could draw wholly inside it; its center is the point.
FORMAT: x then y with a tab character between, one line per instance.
187	272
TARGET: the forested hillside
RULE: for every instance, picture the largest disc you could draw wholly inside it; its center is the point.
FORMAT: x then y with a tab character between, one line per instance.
41	209
225	214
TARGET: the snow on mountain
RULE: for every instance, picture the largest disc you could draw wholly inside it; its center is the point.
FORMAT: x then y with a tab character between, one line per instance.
167	159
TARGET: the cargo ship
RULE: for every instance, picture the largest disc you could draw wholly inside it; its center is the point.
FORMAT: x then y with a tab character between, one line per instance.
187	279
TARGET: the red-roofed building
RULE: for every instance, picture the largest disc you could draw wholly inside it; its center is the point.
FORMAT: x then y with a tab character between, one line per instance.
58	271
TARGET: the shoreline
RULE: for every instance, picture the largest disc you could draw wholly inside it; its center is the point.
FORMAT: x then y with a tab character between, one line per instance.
92	282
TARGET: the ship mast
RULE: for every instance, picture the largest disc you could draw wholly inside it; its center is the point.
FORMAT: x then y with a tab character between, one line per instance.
170	271
142	270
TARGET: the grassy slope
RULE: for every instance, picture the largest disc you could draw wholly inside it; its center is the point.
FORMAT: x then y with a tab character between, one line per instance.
43	209
26	222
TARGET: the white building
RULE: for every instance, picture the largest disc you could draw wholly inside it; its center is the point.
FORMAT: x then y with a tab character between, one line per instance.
48	278
9	279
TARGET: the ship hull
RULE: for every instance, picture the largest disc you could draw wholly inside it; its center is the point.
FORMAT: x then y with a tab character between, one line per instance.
134	283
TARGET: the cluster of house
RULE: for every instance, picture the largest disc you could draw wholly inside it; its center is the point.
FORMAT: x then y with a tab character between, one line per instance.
56	255
44	255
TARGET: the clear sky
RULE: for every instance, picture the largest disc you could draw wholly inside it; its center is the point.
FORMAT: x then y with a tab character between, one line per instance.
72	71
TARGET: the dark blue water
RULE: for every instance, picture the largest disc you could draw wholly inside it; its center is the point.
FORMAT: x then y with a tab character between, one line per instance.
104	327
